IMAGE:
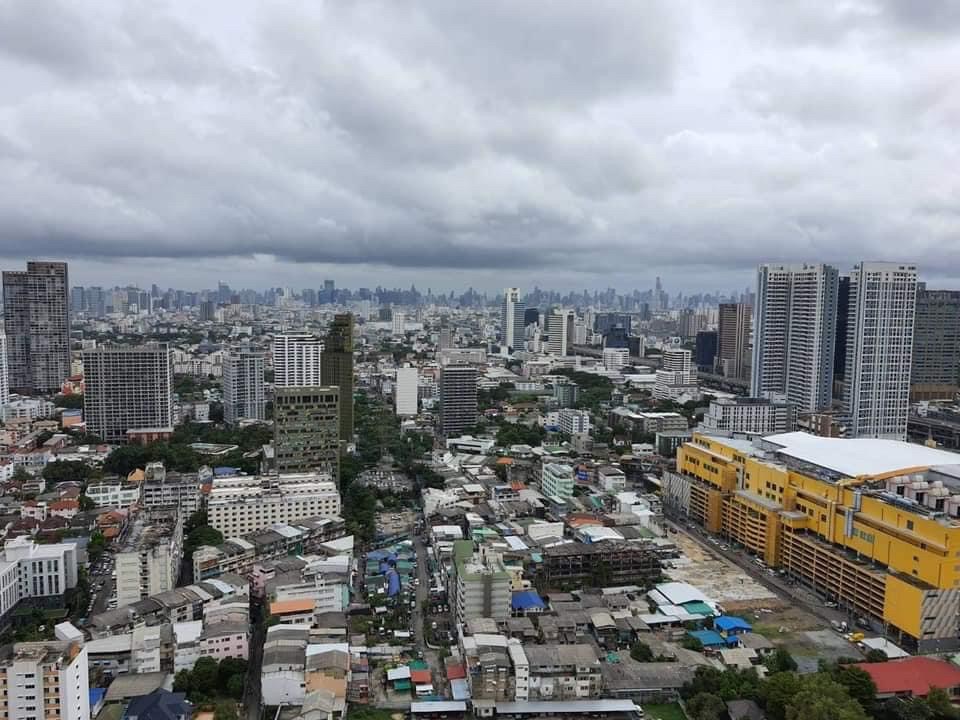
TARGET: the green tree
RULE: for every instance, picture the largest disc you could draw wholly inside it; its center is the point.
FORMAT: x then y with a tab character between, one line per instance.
235	687
778	692
60	471
940	705
821	698
96	545
859	685
203	677
125	459
181	681
780	661
225	711
705	706
875	655
228	669
691	643
641	652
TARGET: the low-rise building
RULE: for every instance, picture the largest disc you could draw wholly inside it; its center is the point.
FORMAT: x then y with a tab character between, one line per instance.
556	480
750	416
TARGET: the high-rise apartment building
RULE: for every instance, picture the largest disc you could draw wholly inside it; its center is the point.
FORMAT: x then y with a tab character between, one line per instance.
36	317
795	320
297	360
676	377
458	399
243	390
406	391
734	327
512	309
336	369
4	377
42	680
883	299
560	332
399	323
128	388
208	310
306	430
936	345
149	561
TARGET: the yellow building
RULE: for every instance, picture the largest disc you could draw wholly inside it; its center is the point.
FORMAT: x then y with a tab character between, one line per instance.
873	524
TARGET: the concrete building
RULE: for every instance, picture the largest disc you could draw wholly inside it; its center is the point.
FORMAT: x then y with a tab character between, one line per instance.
149	562
243	386
676	378
616	358
734	326
563	672
182	490
4	375
28	570
336	370
406	399
936	345
794	327
36	318
750	416
398	323
560	332
306	429
482	585
574	421
512	309
127	388
556	480
242	504
41	680
297	360
706	348
883	298
113	493
458	399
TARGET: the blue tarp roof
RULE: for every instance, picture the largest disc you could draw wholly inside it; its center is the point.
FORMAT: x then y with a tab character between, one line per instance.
708	638
224	470
96	695
459	689
727	623
526	600
393	580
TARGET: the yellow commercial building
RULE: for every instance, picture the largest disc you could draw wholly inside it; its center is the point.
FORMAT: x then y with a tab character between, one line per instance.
872	524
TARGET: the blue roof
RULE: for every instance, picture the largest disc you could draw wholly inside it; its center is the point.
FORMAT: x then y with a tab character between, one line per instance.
96	695
393	579
726	623
527	599
224	470
708	638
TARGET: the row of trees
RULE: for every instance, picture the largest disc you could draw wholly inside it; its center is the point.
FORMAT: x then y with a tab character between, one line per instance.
211	681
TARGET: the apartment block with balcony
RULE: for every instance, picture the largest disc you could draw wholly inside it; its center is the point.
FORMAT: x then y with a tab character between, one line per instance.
563	672
482	584
149	562
44	680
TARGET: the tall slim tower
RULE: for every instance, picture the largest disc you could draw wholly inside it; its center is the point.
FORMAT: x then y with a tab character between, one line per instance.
406	391
4	378
795	319
512	309
560	332
337	369
936	345
306	431
883	300
36	316
458	399
243	393
296	359
735	321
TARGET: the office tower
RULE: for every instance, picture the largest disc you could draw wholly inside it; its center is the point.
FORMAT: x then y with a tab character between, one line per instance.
336	369
883	299
208	310
306	433
128	388
689	323
243	393
676	377
77	304
95	302
603	322
297	360
458	399
406	391
734	323
36	316
616	337
936	345
4	378
531	316
795	318
46	679
399	321
560	332
445	337
705	353
512	309
840	337
616	358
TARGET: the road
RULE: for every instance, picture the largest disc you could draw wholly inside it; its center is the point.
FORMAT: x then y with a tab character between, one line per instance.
419	615
251	694
101	597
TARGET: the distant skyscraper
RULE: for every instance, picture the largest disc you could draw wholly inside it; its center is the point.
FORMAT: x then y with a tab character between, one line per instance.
306	430
36	314
406	391
4	378
512	308
297	359
840	341
336	369
883	298
733	340
560	332
127	388
208	310
936	345
705	355
445	336
795	319
458	399
243	393
531	316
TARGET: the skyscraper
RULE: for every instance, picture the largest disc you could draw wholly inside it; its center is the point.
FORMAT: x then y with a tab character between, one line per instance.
705	354
297	359
4	378
458	399
336	369
733	340
127	388
243	393
793	334
406	391
936	345
560	332
306	430
512	310
883	298
36	315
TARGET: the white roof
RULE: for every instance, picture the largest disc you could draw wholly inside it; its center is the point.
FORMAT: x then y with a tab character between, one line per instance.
188	632
438	706
892	651
860	456
679	593
111	644
515	543
399	673
600	532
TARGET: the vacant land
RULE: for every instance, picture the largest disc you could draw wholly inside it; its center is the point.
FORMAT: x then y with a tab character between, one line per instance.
669	711
717	577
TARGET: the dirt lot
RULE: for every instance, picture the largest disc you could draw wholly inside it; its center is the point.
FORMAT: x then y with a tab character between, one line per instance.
803	635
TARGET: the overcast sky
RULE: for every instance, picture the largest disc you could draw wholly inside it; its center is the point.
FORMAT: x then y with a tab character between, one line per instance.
486	143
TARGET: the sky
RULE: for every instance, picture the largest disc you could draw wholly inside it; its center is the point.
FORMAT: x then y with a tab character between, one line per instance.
565	144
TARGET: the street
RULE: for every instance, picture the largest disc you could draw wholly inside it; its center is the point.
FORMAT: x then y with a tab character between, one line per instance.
251	692
419	615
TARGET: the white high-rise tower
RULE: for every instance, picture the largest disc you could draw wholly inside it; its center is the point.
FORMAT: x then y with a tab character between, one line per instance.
511	319
296	360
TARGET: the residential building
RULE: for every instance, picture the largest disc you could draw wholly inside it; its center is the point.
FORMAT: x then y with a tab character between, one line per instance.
182	490
560	332
242	504
458	399
482	585
750	416
114	492
883	299
872	524
4	376
336	369
297	360
149	562
676	379
733	340
512	326
127	388
36	318
794	327
406	391
563	672
44	680
615	358
398	323
160	704
28	570
574	421
705	354
306	429
243	386
556	480
565	392
936	345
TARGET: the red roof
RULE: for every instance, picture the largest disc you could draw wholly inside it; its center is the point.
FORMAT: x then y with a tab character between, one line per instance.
914	675
421	677
456	672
